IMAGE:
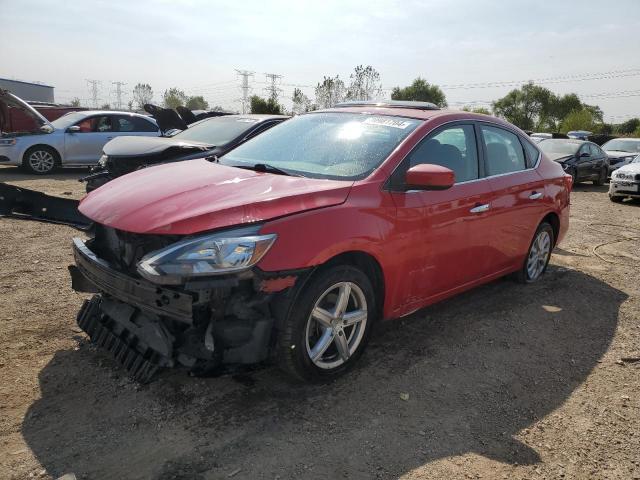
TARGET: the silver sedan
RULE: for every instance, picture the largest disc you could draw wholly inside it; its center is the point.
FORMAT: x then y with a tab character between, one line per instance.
75	139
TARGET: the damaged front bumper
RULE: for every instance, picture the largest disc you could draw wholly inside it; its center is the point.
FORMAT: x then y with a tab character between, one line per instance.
200	326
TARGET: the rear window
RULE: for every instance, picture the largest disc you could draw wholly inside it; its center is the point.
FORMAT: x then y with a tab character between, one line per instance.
218	131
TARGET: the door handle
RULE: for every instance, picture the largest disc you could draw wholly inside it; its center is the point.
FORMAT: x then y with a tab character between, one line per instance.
535	196
480	208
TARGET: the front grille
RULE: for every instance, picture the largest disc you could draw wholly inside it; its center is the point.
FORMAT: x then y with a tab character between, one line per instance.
123	250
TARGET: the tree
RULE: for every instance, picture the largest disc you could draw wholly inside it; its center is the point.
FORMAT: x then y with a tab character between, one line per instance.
482	110
628	127
330	92
75	102
582	119
142	94
106	106
197	103
420	91
301	102
130	105
174	97
268	106
527	107
365	84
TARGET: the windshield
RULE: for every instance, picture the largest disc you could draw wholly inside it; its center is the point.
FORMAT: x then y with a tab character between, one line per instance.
340	146
217	130
622	145
559	146
68	119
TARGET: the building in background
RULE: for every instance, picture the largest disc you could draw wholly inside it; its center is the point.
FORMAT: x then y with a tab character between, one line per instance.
29	91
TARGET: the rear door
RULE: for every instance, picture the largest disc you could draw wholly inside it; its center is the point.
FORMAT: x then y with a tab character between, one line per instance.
448	229
598	158
85	146
518	195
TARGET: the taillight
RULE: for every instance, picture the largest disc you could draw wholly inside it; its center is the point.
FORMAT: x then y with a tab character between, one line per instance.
568	181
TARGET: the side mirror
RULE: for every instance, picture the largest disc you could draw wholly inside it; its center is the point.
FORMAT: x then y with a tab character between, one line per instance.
73	129
427	176
585	154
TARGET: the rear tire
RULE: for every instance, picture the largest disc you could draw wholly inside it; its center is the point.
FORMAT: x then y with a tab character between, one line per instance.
327	327
539	254
40	160
602	178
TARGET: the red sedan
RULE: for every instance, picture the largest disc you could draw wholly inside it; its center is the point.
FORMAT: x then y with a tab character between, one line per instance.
290	247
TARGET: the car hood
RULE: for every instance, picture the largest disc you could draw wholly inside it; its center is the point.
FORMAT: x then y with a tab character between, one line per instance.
143	146
619	154
9	100
559	157
629	168
196	196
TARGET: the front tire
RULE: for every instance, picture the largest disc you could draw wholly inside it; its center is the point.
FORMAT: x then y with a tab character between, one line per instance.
539	254
40	160
327	327
602	177
616	198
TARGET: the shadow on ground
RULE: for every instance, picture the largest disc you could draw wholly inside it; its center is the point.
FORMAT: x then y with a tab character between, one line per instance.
17	175
478	369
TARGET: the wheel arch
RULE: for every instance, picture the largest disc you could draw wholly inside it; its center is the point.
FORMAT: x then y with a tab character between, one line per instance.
553	219
36	145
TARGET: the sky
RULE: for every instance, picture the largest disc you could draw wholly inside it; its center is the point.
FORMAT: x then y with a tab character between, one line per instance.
588	47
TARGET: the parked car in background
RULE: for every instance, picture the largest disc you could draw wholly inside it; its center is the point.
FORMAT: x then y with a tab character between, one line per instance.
621	151
579	134
75	139
625	181
292	245
580	159
208	138
538	137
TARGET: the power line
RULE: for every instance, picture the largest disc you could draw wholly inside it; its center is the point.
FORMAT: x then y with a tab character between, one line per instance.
273	90
245	88
93	91
118	85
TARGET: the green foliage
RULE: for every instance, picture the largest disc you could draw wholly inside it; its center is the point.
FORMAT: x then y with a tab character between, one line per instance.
365	84
329	92
482	110
75	102
582	119
173	98
142	94
301	102
628	127
261	105
197	103
106	106
422	91
527	107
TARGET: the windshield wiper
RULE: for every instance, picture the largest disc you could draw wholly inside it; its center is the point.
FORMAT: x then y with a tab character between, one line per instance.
265	167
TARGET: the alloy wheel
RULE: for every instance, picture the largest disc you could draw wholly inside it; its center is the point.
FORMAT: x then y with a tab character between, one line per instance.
539	255
41	161
336	326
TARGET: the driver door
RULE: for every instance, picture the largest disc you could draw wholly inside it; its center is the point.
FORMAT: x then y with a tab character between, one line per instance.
85	146
448	239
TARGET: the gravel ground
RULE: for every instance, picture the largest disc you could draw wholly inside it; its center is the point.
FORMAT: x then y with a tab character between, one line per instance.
505	381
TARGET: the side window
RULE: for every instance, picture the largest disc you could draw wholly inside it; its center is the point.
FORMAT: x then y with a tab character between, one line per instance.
134	124
584	149
532	153
595	151
88	125
454	148
504	151
104	124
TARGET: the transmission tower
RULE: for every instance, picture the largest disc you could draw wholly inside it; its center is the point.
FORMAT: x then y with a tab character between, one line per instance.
119	86
273	90
93	91
245	88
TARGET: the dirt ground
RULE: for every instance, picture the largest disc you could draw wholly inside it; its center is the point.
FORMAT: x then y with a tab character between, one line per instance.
506	381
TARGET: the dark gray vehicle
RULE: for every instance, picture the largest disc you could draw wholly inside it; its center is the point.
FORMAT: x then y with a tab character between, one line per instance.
208	138
582	160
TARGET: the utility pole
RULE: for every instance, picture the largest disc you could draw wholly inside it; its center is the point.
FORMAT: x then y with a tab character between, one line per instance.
93	91
119	86
245	88
273	89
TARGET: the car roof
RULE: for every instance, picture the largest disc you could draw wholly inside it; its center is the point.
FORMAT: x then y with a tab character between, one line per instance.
257	116
108	112
567	140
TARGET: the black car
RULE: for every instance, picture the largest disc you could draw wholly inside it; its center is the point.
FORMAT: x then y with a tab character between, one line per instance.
580	159
208	138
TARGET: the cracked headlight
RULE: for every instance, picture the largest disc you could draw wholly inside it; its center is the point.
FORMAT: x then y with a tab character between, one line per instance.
103	161
206	255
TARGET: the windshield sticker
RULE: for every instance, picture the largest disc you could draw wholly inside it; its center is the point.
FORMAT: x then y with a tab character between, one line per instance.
387	122
248	120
